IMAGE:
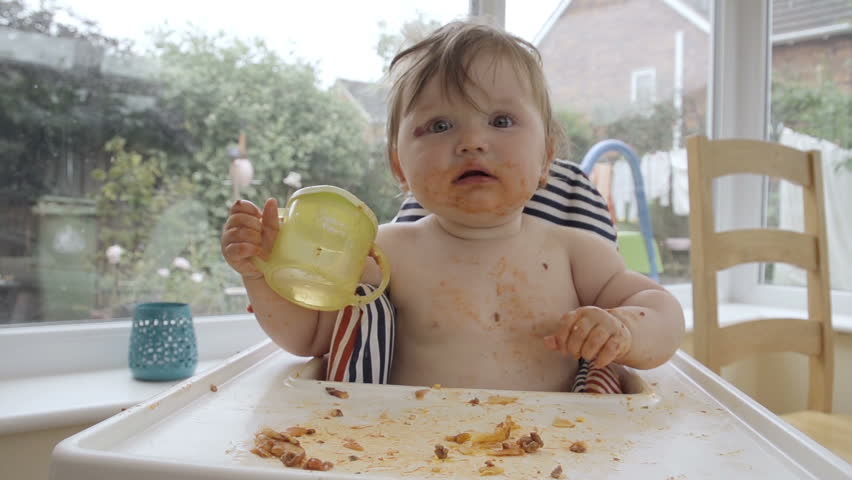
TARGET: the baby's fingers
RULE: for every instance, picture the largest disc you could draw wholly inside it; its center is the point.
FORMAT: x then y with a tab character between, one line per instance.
595	341
241	235
244	206
610	351
270	225
558	339
577	335
236	252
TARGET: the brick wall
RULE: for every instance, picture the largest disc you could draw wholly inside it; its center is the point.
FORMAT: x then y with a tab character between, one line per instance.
592	49
814	61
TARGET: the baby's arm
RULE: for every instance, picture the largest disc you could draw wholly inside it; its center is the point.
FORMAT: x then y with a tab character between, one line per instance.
248	233
626	317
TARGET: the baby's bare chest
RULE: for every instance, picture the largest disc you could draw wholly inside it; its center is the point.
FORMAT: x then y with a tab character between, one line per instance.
521	293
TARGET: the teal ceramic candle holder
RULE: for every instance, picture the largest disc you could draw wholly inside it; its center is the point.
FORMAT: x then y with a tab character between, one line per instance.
162	342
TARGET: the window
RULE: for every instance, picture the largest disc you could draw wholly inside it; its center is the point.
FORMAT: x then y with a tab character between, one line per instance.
127	130
811	109
124	129
792	101
643	87
591	50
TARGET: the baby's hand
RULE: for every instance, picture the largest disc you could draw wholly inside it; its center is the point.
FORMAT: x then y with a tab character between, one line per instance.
248	232
591	333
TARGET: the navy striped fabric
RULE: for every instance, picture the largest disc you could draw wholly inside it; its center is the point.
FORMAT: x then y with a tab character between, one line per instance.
363	341
569	199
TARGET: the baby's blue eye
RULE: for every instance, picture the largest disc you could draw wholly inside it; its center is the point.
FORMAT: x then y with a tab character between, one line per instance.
439	126
502	121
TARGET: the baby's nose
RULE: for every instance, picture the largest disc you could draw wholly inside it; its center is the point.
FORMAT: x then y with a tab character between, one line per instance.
471	145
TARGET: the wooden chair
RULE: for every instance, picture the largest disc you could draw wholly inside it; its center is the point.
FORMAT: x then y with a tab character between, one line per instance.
713	251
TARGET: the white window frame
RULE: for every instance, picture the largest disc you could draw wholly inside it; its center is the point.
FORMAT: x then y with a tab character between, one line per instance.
740	109
635	75
740	92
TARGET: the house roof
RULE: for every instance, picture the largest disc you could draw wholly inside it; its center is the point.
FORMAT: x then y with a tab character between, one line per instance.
370	97
800	19
791	19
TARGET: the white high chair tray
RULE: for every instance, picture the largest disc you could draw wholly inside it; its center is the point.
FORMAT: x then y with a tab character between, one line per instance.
687	423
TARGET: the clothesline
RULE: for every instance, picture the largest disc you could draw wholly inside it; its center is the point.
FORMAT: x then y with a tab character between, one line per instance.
664	177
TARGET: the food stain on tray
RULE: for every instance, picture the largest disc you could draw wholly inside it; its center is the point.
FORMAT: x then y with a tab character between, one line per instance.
437	436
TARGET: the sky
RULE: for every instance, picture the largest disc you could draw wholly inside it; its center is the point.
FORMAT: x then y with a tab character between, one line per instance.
338	37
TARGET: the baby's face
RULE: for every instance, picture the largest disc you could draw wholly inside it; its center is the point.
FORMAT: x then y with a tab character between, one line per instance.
474	166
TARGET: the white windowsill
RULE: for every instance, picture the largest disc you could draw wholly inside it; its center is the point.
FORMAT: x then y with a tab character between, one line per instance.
43	400
54	376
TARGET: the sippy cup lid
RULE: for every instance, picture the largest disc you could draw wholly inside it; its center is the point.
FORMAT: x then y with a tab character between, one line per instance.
341	192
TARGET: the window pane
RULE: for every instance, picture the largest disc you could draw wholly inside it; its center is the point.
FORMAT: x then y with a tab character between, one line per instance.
812	109
126	132
635	71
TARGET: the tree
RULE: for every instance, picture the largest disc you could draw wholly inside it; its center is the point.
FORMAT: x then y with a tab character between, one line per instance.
579	135
824	111
412	31
158	173
214	87
48	114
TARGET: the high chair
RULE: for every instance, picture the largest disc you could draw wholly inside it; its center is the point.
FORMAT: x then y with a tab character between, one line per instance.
713	251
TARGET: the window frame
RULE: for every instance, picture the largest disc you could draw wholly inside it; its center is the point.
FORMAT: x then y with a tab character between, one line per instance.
740	108
635	76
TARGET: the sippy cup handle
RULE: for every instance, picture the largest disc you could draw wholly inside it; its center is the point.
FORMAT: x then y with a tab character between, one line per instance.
260	263
382	261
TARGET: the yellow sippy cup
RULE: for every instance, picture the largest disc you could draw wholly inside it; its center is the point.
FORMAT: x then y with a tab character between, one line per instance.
325	237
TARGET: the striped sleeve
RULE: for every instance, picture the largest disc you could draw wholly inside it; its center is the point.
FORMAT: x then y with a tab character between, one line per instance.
595	380
362	342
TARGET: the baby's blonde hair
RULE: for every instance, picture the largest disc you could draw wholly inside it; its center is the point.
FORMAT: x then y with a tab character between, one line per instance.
447	53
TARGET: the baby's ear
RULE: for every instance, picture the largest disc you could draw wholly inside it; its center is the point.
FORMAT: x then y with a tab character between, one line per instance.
550	151
549	156
396	169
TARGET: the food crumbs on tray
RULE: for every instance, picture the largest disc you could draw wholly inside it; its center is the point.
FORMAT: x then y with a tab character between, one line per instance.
352	444
530	443
459	438
501	400
421	394
214	388
336	393
317	464
299	431
563	423
353	458
508	451
580	419
441	451
578	447
557	472
490	469
501	432
437	386
475	401
336	412
269	443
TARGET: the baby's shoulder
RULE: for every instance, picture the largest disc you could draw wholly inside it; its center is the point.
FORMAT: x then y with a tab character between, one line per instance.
396	238
537	226
398	232
572	238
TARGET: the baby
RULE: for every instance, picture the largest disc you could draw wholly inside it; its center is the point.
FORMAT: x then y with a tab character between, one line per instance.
485	296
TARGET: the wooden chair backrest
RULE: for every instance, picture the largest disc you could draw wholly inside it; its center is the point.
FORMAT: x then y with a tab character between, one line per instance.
713	251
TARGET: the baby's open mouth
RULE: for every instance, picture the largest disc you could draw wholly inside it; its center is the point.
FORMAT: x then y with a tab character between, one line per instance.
472	175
